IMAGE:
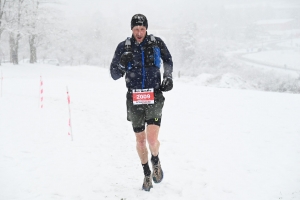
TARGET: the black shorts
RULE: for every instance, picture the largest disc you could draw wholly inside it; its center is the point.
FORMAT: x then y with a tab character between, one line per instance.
139	115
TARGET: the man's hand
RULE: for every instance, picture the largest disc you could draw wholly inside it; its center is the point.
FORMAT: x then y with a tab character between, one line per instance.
122	69
125	58
167	84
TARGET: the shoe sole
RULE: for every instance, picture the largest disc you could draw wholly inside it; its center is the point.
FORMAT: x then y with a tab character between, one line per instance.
147	190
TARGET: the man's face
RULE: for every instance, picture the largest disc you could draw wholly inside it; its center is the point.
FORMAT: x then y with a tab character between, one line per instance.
139	33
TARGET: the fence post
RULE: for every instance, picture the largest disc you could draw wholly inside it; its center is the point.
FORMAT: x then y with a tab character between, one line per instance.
70	124
41	92
1	82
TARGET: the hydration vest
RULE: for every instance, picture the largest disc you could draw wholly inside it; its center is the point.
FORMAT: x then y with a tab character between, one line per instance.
151	52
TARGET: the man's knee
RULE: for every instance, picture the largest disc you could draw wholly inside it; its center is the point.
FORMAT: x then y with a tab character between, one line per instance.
152	134
152	141
141	139
141	143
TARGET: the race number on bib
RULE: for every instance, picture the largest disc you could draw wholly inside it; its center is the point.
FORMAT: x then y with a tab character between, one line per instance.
143	96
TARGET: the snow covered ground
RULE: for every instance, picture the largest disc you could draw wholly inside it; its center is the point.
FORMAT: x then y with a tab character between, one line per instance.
216	143
282	58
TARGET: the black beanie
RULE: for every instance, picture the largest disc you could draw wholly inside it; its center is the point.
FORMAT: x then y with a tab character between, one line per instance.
139	20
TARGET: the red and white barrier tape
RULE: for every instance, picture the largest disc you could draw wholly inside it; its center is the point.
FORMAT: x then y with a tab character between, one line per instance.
41	92
70	124
1	83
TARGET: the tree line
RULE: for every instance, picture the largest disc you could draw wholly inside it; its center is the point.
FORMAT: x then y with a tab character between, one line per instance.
29	20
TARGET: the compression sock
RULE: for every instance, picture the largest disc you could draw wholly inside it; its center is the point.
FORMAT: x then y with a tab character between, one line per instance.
154	159
146	169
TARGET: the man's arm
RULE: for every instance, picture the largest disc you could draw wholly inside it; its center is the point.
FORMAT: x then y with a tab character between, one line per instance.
166	57
114	71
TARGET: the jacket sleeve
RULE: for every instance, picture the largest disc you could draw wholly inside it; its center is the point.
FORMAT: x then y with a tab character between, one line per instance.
166	58
114	71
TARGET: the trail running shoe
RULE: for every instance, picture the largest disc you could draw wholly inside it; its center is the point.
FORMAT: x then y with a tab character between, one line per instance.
158	173
147	185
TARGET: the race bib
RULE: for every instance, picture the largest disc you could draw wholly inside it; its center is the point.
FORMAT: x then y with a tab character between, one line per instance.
143	96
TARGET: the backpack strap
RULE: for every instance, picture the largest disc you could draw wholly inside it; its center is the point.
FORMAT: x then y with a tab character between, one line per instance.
156	51
128	44
152	38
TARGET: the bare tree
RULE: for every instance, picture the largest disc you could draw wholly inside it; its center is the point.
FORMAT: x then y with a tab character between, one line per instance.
40	25
13	18
32	34
2	7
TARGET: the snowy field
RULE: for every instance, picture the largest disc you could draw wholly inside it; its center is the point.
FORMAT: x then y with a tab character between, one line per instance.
282	58
216	143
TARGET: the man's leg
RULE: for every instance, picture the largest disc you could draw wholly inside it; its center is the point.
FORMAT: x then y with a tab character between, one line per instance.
143	154
152	138
141	146
154	144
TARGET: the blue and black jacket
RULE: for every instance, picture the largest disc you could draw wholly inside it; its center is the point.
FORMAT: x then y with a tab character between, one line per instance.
144	71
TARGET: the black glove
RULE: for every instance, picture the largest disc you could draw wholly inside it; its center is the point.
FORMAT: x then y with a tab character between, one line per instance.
125	58
167	84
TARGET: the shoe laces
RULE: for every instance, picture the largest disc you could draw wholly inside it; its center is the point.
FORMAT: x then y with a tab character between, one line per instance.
147	180
157	170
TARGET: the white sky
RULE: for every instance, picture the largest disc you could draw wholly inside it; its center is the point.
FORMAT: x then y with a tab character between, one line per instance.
155	10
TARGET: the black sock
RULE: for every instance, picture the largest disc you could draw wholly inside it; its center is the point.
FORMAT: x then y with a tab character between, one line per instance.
146	169
154	159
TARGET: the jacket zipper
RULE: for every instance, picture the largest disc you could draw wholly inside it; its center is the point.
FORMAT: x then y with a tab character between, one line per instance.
143	68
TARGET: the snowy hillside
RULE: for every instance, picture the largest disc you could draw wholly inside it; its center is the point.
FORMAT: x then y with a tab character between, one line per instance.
216	143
